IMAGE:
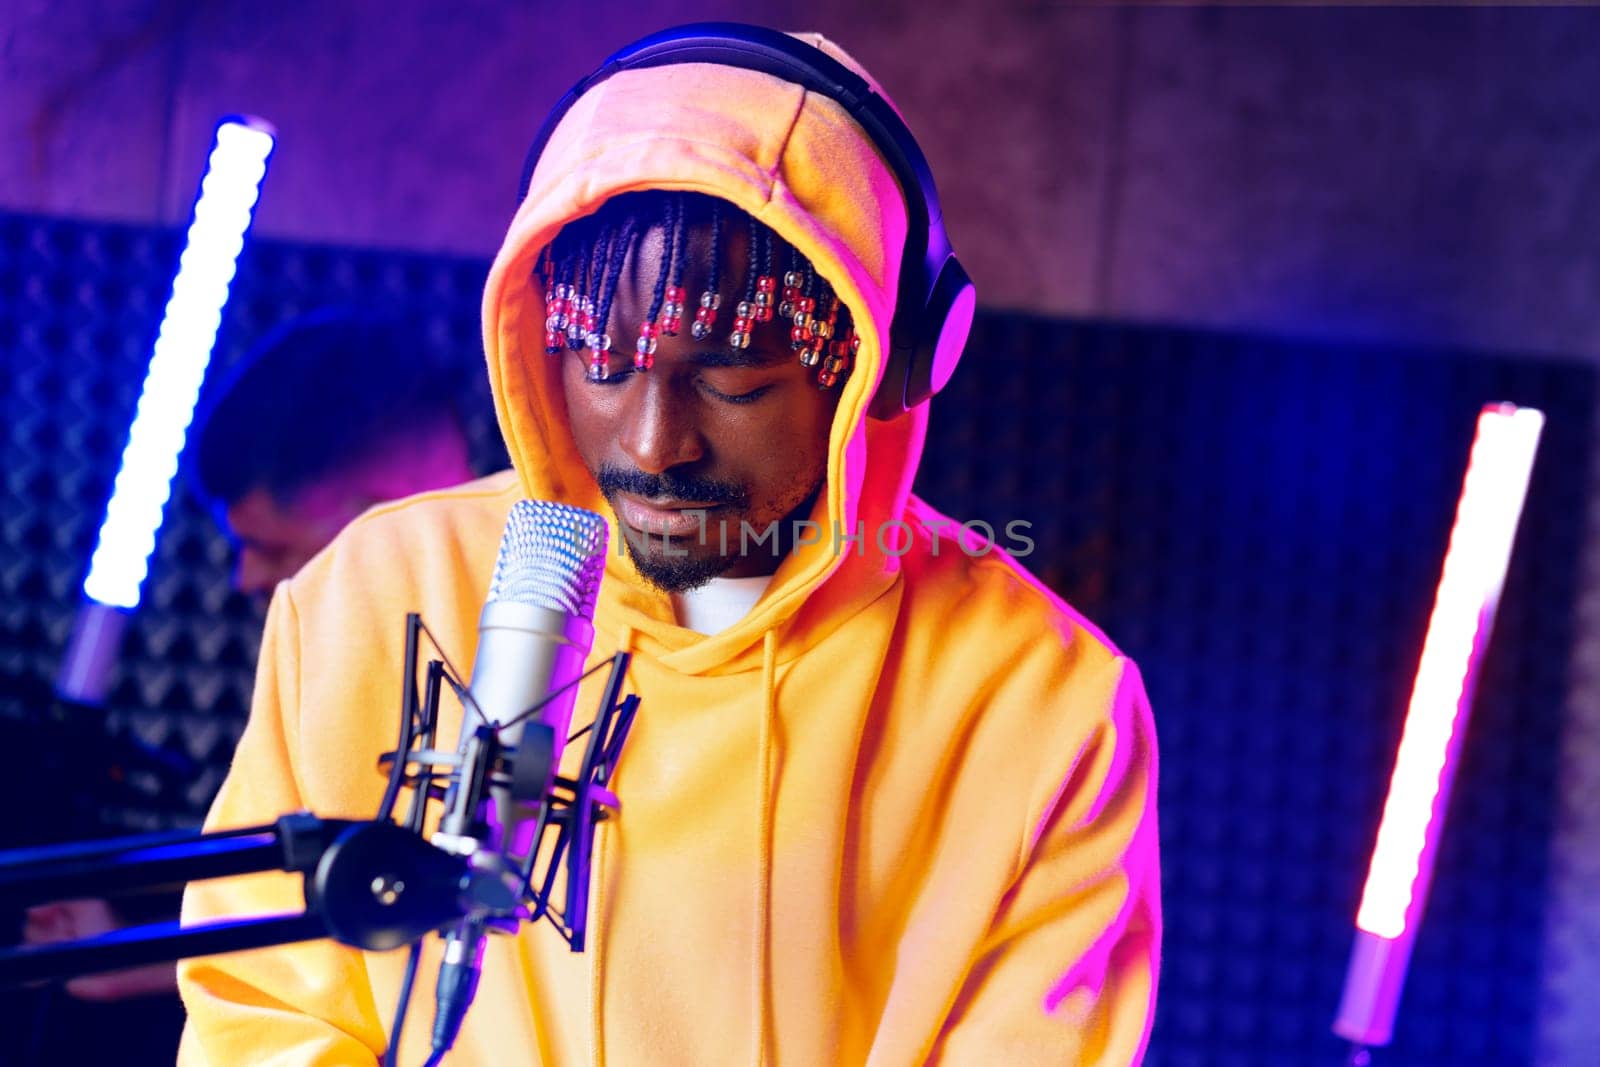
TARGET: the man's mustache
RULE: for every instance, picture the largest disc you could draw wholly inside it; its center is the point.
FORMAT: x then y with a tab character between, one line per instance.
670	486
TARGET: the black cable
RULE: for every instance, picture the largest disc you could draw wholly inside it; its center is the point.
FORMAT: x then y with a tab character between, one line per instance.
410	979
408	710
458	984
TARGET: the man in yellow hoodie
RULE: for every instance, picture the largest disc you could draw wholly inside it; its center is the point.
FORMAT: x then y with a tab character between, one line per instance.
887	800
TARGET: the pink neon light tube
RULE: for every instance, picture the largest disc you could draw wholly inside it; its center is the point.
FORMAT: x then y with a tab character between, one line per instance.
1458	633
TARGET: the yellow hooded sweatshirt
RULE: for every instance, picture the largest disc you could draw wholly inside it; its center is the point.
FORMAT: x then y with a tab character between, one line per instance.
902	812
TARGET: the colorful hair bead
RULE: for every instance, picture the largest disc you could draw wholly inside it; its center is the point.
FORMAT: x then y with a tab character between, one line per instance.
672	311
705	316
576	321
600	361
791	294
763	301
644	349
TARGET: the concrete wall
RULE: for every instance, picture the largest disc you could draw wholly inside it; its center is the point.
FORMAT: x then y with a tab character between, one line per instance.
1426	175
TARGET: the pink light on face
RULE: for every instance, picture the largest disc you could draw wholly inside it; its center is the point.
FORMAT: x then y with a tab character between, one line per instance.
1458	633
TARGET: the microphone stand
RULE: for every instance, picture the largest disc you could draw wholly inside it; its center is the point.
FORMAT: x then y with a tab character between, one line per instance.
298	843
371	883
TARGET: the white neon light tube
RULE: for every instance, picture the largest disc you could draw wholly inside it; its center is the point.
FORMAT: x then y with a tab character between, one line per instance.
223	211
1475	566
222	215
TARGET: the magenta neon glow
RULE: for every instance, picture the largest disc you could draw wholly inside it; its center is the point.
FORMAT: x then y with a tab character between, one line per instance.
1463	612
1458	633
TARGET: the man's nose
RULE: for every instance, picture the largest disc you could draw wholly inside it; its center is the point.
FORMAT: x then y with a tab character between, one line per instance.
660	430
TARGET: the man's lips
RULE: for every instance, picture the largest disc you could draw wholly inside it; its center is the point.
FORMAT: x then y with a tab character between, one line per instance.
677	519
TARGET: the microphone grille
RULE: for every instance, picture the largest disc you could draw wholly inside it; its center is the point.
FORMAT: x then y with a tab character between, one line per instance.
551	555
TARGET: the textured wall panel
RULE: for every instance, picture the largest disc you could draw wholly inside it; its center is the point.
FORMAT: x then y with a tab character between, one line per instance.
1569	1027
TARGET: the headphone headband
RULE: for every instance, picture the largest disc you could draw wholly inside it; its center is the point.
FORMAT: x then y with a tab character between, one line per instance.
934	291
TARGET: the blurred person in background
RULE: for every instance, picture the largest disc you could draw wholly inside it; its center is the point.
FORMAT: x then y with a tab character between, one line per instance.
332	413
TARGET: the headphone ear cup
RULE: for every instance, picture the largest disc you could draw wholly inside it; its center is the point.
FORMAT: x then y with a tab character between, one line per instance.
948	323
922	359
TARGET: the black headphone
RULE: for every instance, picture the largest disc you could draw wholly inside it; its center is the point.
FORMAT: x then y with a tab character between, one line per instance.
934	308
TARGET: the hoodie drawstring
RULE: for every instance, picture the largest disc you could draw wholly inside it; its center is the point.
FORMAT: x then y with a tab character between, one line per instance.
597	893
764	805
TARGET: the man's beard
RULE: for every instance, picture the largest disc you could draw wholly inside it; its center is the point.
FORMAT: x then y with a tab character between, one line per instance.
670	573
674	573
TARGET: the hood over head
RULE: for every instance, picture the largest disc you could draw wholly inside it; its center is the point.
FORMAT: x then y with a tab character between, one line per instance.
799	164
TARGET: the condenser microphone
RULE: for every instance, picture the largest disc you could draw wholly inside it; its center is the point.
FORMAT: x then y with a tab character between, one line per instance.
534	634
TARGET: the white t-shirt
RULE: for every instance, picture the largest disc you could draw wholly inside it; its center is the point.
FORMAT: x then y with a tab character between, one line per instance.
719	603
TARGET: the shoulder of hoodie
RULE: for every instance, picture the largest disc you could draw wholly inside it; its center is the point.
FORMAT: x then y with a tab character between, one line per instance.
981	589
398	542
1019	675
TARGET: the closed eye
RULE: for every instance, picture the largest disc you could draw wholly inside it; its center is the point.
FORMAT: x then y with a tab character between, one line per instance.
616	377
735	398
627	371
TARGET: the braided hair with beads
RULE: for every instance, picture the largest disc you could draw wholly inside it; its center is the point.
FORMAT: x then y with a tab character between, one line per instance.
580	269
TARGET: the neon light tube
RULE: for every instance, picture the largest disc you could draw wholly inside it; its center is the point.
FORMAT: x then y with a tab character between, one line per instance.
1396	890
222	214
183	347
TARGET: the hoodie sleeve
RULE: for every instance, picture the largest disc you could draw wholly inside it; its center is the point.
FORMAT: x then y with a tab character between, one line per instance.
309	1003
1068	971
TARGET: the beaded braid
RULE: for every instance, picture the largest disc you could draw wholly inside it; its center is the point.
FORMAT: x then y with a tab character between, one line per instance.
555	305
791	284
595	337
819	326
705	316
659	295
599	266
825	333
555	301
575	311
804	305
580	326
841	353
667	299
744	315
676	253
616	256
582	268
644	349
766	284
